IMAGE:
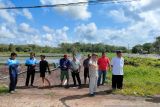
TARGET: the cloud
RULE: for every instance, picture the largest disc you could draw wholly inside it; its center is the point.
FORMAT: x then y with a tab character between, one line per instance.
77	12
7	16
137	33
47	29
119	16
24	27
27	14
5	33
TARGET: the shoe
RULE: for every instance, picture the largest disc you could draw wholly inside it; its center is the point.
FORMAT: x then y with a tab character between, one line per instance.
12	92
79	87
92	95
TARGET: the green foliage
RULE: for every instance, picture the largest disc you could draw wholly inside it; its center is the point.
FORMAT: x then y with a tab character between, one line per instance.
3	89
141	77
148	47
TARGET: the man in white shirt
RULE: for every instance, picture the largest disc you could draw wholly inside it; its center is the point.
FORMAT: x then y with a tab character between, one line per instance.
117	64
75	69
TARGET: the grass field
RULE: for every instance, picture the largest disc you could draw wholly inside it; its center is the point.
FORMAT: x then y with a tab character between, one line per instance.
3	89
141	77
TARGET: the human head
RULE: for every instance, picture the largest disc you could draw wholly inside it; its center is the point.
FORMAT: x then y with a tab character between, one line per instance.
65	56
32	55
89	56
43	57
103	54
119	54
94	56
13	55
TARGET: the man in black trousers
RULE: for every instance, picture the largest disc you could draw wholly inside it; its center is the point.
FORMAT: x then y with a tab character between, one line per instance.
75	69
117	64
31	64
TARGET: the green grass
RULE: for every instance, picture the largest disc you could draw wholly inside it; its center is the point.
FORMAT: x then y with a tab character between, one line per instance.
141	77
3	89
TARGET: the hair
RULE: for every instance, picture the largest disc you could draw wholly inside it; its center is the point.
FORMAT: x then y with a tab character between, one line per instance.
93	54
43	56
13	54
119	51
32	53
103	53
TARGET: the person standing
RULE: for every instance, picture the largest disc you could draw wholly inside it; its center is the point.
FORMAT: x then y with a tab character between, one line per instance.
31	64
103	67
64	66
86	68
117	64
13	72
93	74
75	68
44	67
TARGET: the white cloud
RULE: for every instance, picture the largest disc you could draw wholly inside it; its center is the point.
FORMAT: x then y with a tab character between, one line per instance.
27	14
137	33
5	33
7	16
86	31
77	12
47	29
24	27
119	16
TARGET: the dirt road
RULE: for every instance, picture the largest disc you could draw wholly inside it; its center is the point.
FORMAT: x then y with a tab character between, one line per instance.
56	96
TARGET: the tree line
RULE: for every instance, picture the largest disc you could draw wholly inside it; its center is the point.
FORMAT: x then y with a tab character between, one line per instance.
148	48
62	48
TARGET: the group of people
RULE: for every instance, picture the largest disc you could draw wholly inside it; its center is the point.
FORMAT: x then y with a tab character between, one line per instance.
95	69
31	64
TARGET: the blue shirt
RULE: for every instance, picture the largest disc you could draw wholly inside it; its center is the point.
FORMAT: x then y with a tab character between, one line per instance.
13	67
11	62
64	64
31	61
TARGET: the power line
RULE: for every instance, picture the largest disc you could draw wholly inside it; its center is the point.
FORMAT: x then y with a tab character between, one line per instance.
69	4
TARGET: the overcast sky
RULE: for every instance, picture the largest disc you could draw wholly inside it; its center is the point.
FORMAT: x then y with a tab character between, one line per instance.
116	24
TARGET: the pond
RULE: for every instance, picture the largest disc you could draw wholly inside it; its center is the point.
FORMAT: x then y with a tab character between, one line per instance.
22	60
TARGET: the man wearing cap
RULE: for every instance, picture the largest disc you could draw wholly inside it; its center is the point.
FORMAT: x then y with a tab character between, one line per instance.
64	66
117	64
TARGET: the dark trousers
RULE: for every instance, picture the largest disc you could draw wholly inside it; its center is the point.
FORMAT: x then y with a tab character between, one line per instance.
30	73
13	80
75	74
117	81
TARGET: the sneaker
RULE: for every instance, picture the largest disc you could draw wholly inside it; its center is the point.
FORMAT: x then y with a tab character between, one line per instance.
91	95
12	92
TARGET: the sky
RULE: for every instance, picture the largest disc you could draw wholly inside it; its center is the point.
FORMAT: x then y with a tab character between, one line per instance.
119	24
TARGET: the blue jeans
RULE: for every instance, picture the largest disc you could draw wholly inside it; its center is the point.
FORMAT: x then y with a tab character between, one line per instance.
13	80
100	74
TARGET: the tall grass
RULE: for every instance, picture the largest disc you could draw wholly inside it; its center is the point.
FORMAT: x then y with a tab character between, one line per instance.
141	77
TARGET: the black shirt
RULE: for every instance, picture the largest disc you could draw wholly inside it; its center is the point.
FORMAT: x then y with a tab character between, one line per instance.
43	66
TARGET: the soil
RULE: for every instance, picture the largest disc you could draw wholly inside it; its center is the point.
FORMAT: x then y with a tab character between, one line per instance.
56	96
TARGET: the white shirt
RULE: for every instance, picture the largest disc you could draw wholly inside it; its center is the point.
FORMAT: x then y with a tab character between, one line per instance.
93	68
117	64
75	65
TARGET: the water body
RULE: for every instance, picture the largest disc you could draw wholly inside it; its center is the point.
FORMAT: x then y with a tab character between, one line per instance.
22	60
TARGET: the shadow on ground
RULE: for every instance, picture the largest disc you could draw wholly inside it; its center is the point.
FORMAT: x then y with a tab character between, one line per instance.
74	97
153	99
